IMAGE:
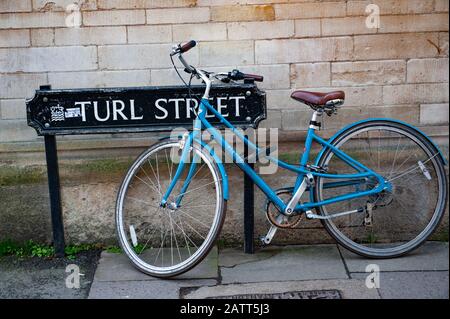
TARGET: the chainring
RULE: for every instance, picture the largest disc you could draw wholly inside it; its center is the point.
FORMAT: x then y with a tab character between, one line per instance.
272	212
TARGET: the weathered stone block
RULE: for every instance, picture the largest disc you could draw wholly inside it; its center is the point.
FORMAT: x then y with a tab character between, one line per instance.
89	36
15	6
310	10
13	109
441	5
368	72
307	28
149	34
119	17
310	75
42	37
432	114
275	76
260	30
137	56
62	5
16	130
345	26
427	70
415	93
304	50
47	59
243	13
200	32
226	53
395	46
295	120
14	38
358	8
144	4
178	15
99	79
414	23
14	86
32	20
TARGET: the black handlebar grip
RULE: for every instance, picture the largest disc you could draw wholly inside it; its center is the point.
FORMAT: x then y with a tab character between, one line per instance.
186	47
254	77
237	76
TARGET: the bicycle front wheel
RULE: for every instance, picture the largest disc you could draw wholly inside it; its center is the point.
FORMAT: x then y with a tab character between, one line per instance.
168	240
401	219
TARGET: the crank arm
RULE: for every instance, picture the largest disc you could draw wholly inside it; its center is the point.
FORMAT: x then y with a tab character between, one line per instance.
311	215
266	240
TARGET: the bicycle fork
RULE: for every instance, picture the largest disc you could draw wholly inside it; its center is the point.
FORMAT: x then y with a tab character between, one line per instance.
185	145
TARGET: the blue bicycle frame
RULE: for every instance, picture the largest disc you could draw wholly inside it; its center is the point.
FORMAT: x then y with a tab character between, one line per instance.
360	177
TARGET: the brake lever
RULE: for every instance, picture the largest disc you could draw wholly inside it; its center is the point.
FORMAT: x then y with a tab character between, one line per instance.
175	50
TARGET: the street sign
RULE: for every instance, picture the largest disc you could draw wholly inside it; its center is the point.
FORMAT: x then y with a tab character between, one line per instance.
139	109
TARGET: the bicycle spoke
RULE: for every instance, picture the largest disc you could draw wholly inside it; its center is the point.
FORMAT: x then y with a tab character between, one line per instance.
190	191
411	169
151	187
170	239
156	177
193	218
146	243
396	221
194	230
153	184
395	156
176	241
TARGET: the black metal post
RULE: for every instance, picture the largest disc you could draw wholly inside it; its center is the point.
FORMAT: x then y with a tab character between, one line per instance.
55	194
54	190
248	208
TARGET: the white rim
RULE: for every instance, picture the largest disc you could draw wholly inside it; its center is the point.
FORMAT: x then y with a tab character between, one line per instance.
205	246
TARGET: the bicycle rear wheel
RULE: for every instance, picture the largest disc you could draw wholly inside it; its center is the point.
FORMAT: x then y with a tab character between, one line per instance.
165	241
401	219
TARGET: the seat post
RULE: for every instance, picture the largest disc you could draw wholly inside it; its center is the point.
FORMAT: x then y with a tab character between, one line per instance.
315	123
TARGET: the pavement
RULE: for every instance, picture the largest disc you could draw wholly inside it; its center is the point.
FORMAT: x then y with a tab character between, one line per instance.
46	278
322	271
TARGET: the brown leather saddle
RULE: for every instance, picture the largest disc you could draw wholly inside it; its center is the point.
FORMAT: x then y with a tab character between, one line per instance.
317	100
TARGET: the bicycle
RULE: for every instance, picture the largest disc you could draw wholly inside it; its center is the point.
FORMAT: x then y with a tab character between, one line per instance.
170	212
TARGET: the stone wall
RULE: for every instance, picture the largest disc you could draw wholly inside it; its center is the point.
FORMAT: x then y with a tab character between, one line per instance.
398	70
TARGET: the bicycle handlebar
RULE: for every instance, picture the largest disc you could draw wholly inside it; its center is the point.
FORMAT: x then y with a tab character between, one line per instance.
238	75
187	46
235	75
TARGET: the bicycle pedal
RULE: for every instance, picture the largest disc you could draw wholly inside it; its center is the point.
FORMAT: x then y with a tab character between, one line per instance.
263	241
266	240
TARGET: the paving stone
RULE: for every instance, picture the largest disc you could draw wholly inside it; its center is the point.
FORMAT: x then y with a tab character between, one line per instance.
431	256
154	289
117	268
286	264
231	257
40	283
412	285
349	289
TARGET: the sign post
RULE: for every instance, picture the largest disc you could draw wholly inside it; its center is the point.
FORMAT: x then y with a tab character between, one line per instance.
132	110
